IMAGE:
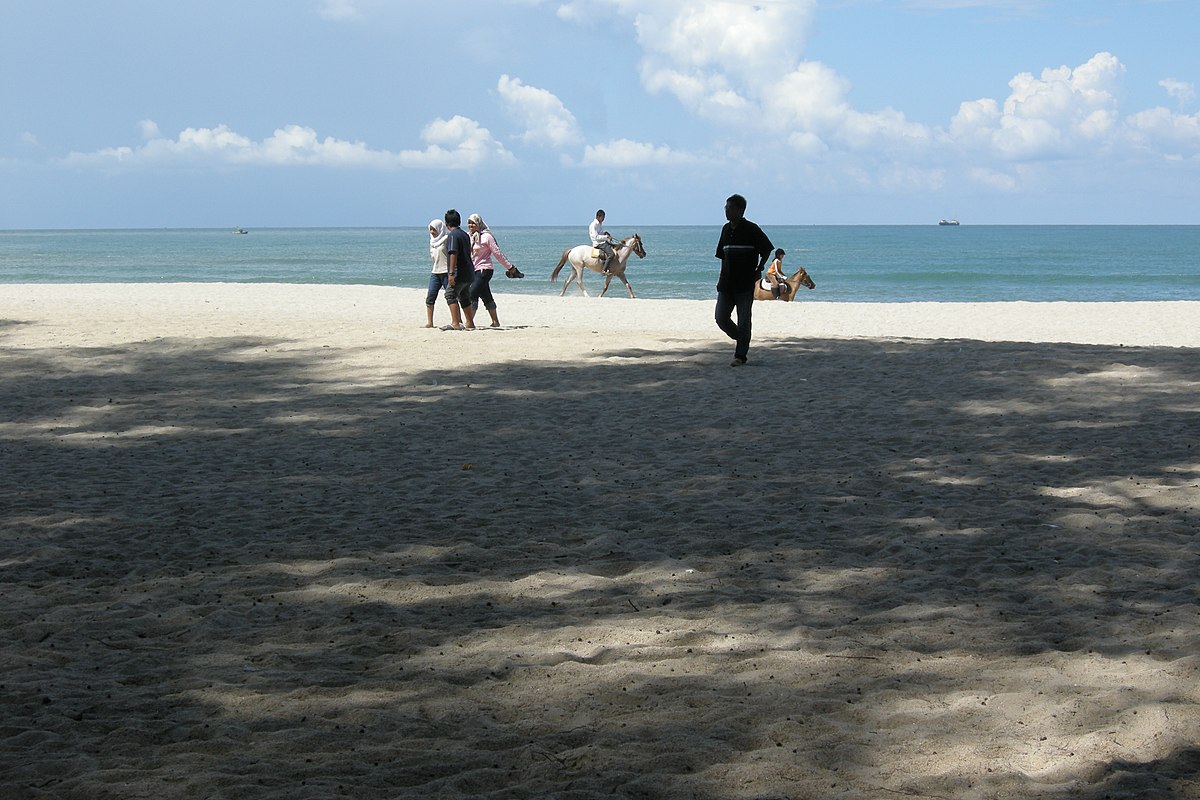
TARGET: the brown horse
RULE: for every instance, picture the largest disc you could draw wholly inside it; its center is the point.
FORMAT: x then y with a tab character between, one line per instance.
788	293
580	258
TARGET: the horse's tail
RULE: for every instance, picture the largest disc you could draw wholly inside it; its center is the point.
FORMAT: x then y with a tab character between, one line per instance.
561	261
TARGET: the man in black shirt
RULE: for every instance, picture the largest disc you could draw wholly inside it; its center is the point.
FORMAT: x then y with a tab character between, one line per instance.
461	270
743	249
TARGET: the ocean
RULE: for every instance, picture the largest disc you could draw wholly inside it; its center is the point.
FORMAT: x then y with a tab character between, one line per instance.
868	263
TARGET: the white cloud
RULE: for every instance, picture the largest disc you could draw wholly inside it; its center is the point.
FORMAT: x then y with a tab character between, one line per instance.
749	40
739	64
886	131
1074	113
339	10
1064	94
585	12
705	95
975	122
457	143
1048	116
1183	92
1025	138
626	153
992	179
807	144
1159	130
719	59
909	178
546	120
811	97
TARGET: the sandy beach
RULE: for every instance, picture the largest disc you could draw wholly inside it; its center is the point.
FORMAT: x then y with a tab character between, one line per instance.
267	541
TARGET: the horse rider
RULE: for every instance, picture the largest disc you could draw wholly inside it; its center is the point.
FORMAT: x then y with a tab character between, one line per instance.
602	240
776	281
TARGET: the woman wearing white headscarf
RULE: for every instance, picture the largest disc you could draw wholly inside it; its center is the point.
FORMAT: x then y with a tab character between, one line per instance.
438	279
483	247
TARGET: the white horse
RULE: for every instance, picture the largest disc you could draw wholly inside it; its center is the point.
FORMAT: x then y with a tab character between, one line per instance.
581	257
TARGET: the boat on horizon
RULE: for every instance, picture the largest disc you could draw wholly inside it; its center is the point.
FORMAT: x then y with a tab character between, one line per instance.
948	222
240	230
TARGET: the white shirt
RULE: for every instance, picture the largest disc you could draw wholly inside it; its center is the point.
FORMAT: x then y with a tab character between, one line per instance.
599	237
437	247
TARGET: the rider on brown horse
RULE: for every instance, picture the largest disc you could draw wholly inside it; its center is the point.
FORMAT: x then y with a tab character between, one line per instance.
776	281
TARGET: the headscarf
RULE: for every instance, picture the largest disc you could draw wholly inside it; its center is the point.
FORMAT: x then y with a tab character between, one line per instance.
438	239
480	227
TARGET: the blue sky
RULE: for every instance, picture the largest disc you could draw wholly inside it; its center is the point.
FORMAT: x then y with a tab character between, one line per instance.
145	113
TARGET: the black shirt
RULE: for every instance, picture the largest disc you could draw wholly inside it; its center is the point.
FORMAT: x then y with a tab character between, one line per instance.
459	242
741	250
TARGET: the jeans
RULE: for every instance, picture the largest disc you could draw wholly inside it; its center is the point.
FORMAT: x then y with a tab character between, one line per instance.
739	332
481	289
437	283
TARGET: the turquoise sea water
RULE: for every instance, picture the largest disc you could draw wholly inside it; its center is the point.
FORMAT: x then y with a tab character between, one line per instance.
848	263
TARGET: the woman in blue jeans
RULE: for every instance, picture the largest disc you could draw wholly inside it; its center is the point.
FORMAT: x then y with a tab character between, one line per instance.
438	279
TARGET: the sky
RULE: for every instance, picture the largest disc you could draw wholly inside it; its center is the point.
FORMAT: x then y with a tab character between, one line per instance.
304	113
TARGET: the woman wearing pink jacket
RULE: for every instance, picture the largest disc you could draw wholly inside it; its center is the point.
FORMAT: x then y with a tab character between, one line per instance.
483	247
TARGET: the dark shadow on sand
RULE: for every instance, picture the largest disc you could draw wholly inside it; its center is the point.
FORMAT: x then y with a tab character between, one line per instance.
975	486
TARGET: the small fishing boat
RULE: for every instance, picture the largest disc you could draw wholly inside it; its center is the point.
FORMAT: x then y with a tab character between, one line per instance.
240	230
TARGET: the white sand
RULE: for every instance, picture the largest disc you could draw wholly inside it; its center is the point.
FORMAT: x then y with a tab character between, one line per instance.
281	542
